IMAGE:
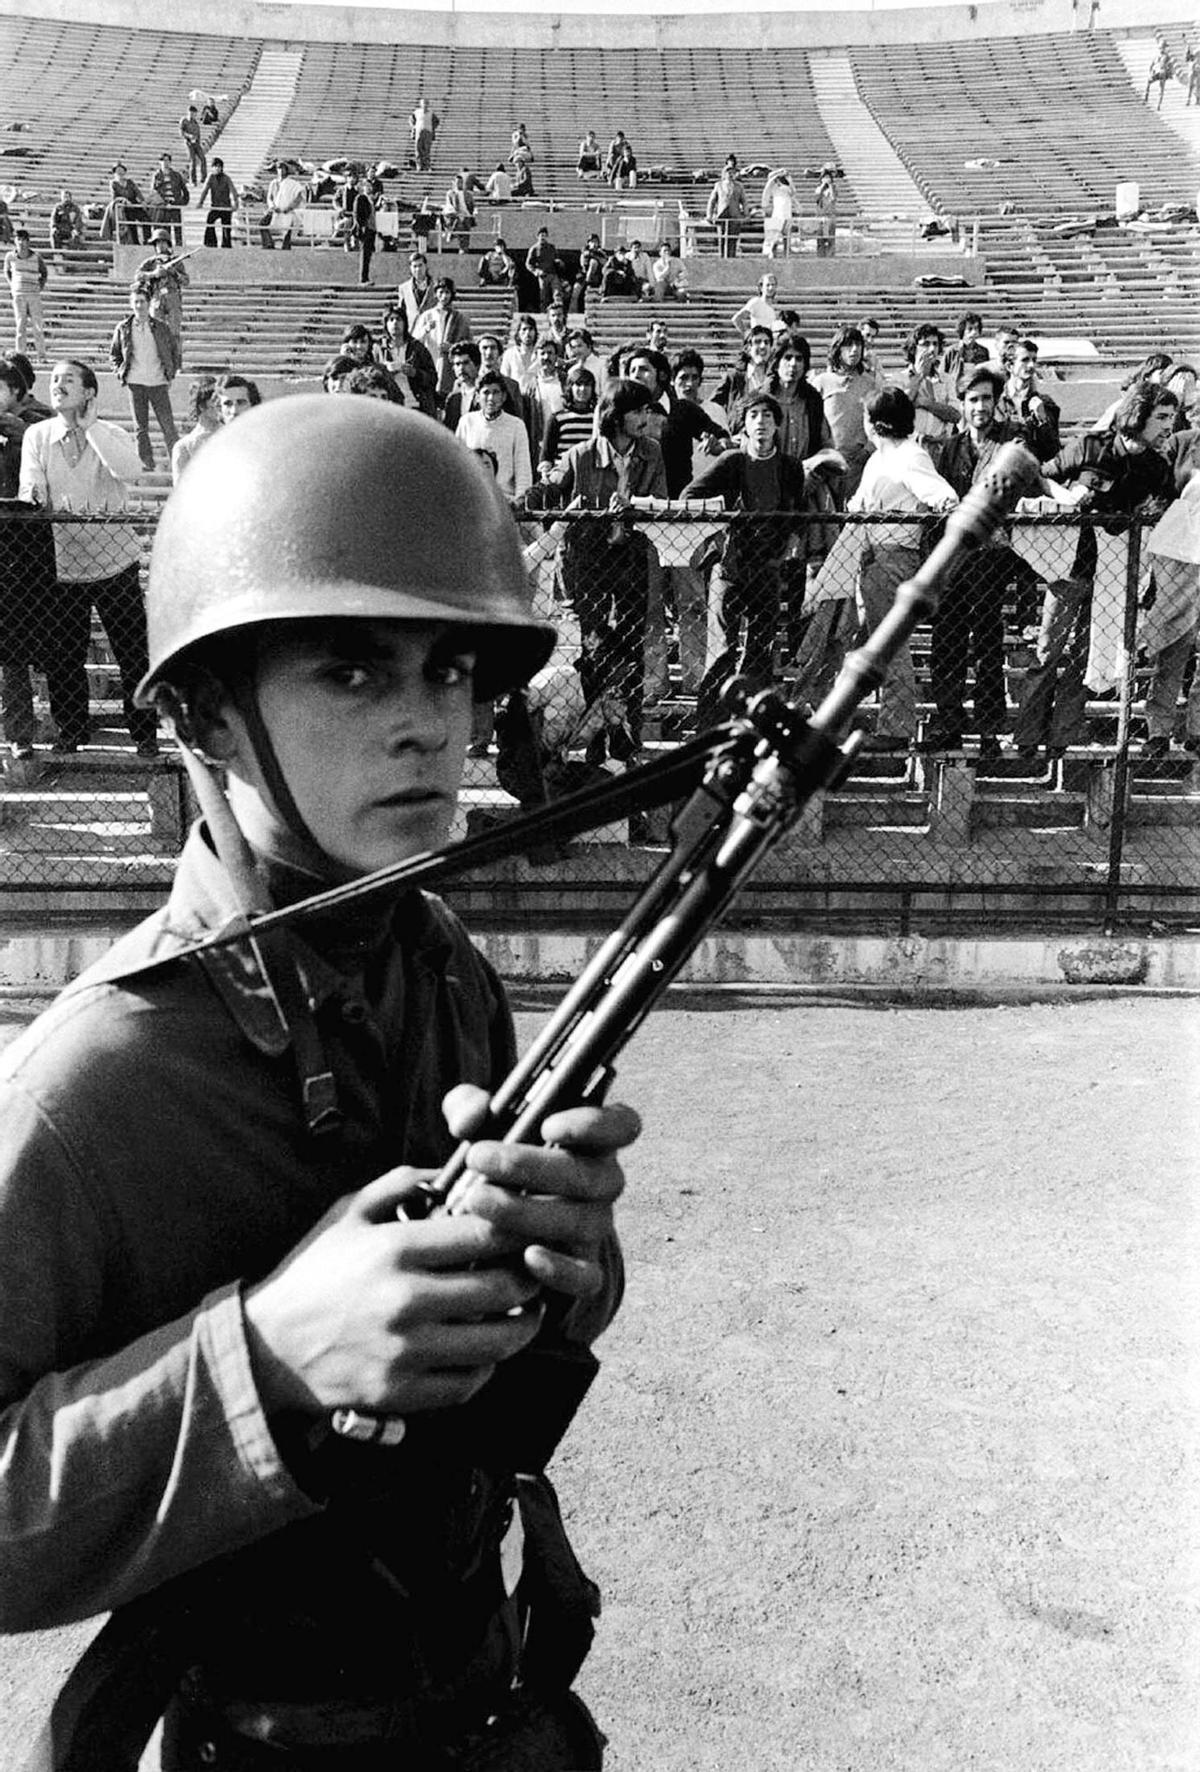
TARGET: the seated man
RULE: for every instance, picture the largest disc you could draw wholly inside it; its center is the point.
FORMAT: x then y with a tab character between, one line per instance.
588	163
66	222
498	267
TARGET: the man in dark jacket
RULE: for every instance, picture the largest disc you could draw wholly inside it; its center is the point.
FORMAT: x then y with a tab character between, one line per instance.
745	593
171	193
219	193
145	360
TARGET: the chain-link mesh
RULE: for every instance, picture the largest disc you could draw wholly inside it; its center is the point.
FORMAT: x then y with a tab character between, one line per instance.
1039	736
85	800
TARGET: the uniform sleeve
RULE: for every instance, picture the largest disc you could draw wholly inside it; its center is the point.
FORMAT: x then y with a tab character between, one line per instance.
122	1471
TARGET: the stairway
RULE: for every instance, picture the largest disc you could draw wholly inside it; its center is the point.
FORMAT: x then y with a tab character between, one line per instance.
890	203
1137	53
254	127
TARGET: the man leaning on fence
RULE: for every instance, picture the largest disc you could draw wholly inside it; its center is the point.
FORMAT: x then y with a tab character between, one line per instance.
72	464
1117	472
606	560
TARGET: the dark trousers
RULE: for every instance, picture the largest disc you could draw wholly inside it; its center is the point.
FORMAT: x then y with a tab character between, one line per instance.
1053	703
218	218
728	230
969	625
743	618
118	602
143	400
16	701
366	251
608	582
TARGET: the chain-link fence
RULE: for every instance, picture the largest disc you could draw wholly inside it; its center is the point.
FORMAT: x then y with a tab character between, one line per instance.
1038	739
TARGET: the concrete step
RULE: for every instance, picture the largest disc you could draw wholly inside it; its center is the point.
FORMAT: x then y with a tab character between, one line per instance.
882	184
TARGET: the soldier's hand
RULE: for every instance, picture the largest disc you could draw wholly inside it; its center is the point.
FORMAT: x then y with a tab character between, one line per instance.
551	1203
373	1312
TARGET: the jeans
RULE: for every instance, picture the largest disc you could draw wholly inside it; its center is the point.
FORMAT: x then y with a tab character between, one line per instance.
970	620
118	602
29	324
1162	696
142	400
1052	705
884	570
218	218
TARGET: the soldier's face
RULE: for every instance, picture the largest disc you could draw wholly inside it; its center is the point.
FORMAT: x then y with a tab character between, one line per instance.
370	722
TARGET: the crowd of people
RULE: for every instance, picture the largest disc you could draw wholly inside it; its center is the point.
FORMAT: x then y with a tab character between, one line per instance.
573	440
777	435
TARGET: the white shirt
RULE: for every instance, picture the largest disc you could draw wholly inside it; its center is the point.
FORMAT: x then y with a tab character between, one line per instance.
902	477
758	311
96	482
508	441
499	187
145	365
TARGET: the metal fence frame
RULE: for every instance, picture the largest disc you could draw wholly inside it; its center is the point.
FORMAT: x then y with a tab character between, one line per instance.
1110	890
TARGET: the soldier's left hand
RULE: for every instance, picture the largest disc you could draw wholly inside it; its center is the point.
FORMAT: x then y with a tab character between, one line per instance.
552	1202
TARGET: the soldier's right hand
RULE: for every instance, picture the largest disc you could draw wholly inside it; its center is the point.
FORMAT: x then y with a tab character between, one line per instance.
374	1313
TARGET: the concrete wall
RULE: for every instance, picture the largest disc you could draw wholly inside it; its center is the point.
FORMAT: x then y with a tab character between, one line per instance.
509	30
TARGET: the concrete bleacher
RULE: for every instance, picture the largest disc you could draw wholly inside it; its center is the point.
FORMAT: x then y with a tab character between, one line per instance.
1057	112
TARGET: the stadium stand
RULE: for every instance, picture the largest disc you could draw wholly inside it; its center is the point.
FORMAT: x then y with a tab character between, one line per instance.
1062	115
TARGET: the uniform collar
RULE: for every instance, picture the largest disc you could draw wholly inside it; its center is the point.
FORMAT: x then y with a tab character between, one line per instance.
203	902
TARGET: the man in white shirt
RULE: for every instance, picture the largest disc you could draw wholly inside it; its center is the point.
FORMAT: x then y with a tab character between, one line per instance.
76	463
488	426
760	310
286	197
899	476
25	273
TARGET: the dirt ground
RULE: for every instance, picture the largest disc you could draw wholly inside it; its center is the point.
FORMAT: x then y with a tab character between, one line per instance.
892	1461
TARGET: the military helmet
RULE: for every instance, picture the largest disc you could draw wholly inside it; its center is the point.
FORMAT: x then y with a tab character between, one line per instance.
317	506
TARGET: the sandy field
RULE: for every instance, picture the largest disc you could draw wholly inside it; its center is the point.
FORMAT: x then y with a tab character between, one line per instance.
892	1462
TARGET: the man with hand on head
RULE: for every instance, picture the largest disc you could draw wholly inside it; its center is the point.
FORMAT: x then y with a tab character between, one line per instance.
256	1404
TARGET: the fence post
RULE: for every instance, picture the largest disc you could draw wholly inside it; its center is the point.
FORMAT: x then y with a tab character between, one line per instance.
1120	807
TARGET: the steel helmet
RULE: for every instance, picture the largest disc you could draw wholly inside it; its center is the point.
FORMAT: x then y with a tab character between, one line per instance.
318	505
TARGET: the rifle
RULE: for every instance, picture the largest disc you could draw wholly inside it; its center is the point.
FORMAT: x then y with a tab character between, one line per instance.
160	270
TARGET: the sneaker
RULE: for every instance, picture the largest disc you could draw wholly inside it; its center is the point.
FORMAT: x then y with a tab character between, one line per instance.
148	748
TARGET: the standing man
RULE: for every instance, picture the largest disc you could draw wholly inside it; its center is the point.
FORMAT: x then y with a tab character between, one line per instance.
416	294
490	427
286	197
193	141
170	188
441	327
423	127
145	360
745	594
126	212
541	261
1118	471
285	1417
219	193
1031	416
726	208
166	277
78	463
970	614
26	580
936	414
25	273
825	198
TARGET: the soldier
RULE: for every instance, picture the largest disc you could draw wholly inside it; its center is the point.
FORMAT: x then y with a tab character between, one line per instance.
270	1420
